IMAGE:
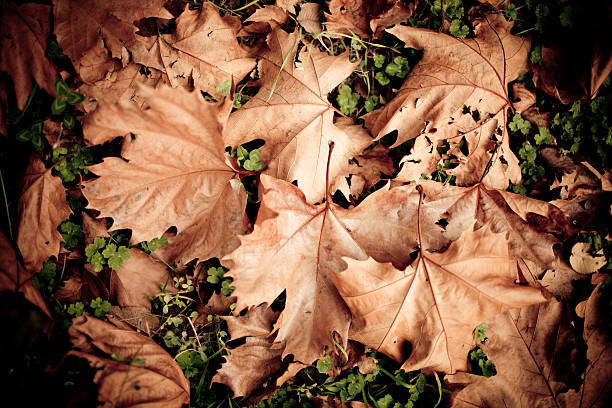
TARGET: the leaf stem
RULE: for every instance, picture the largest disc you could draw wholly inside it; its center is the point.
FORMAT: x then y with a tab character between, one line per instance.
6	207
421	194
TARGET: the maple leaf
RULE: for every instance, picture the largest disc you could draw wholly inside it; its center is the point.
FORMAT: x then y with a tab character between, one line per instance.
95	32
202	53
42	207
139	278
531	349
141	373
255	361
119	86
384	224
176	174
395	311
596	388
23	40
506	212
293	116
459	89
296	250
365	18
264	20
366	170
14	277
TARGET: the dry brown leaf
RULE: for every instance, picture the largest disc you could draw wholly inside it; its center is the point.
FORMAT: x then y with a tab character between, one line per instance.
264	20
296	120
249	365
460	88
139	277
596	389
296	251
24	31
569	72
523	98
367	168
94	227
41	209
93	33
160	380
506	212
384	225
531	349
288	5
3	109
423	157
583	262
119	86
366	18
310	17
202	53
176	174
14	277
412	315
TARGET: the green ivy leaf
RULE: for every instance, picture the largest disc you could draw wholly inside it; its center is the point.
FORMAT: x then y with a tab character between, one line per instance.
379	60
324	364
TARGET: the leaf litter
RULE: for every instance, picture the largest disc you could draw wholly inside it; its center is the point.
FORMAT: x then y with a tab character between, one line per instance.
332	242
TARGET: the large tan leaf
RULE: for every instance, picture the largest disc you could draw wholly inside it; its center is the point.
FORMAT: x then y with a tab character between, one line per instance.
506	212
292	115
531	349
296	251
596	389
460	87
203	51
158	382
14	277
119	86
24	31
384	224
140	277
100	27
175	174
249	365
41	209
417	309
365	17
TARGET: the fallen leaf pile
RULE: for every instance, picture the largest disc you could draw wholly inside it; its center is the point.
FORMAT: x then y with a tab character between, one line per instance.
409	271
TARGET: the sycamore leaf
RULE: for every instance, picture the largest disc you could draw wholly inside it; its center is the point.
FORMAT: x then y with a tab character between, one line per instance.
140	374
249	365
531	349
24	31
583	262
139	278
364	17
506	212
367	168
175	174
293	116
202	53
264	20
460	87
100	28
119	86
296	251
384	224
412	315
14	277
596	388
310	17
42	207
